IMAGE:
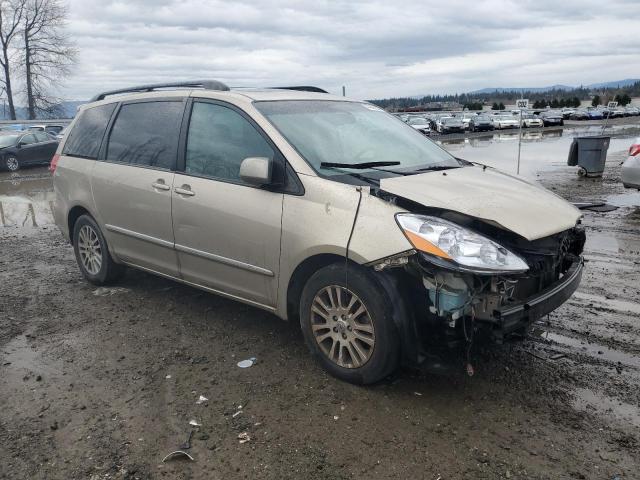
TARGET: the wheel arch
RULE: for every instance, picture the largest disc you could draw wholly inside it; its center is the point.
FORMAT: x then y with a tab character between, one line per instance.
302	273
72	217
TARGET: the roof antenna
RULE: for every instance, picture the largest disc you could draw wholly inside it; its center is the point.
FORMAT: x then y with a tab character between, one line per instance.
353	226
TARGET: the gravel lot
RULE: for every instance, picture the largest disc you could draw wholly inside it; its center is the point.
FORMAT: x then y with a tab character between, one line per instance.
97	386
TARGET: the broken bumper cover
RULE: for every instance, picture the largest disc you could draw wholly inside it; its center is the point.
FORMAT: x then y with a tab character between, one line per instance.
513	317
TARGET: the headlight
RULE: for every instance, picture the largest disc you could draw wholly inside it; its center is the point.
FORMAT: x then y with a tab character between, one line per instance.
452	242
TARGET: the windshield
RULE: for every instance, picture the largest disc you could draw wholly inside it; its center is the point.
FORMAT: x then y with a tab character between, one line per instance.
417	121
351	133
8	140
451	120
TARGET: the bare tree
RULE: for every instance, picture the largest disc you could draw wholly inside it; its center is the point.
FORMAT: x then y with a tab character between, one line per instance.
49	54
11	12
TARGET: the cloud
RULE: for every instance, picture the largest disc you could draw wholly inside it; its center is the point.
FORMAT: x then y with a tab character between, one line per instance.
376	48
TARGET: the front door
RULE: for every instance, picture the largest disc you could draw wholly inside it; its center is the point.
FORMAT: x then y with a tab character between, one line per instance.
227	233
132	185
29	151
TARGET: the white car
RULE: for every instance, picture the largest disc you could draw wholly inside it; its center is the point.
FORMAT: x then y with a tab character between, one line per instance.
631	167
466	119
501	122
420	124
531	121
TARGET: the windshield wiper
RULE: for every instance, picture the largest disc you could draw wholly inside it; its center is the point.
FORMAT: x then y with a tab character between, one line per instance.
435	168
358	166
370	181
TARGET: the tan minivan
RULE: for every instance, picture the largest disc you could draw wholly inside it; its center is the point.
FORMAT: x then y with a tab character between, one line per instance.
320	209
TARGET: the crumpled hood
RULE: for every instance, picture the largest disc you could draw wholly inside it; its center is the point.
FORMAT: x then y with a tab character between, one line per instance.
485	193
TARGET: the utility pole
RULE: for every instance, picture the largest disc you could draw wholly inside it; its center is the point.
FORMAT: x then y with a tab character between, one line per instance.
344	91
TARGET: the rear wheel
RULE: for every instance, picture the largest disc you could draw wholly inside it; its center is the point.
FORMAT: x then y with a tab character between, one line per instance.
92	253
349	328
12	163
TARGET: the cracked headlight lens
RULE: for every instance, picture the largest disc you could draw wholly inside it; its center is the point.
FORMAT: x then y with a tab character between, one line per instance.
452	242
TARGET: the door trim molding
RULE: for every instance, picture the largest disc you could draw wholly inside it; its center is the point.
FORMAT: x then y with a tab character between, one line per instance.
190	251
139	236
225	260
203	287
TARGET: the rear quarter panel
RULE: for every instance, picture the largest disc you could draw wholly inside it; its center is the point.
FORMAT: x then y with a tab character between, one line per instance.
72	186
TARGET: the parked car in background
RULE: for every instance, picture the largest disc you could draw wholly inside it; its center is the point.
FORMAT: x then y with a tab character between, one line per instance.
480	123
580	114
61	133
632	111
420	124
531	121
566	112
450	125
617	112
630	172
595	114
21	149
257	195
466	119
551	118
501	122
50	129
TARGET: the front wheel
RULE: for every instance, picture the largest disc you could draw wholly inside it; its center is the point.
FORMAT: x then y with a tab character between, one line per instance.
349	327
92	253
12	163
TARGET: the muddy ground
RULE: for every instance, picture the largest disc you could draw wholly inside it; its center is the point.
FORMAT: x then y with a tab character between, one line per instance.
103	386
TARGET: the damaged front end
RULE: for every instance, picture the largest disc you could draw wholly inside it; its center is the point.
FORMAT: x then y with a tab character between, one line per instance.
465	286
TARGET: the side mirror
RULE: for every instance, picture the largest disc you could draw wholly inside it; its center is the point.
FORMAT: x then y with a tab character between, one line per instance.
256	170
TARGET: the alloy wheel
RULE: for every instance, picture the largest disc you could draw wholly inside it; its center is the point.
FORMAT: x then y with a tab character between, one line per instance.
342	327
90	249
12	164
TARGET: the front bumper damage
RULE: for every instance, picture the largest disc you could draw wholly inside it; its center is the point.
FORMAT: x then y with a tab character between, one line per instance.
515	317
440	310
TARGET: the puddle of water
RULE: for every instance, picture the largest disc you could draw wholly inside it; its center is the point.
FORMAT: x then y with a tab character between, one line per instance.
541	150
609	303
26	199
22	358
593	349
631	198
588	400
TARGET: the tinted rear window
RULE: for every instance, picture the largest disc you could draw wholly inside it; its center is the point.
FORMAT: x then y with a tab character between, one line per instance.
146	134
85	138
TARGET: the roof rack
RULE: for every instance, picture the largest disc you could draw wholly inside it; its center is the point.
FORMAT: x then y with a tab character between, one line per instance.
205	84
302	88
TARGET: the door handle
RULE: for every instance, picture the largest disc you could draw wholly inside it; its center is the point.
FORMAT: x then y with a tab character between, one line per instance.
160	185
184	190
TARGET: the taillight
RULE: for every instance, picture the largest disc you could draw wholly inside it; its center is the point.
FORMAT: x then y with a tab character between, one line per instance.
54	163
634	149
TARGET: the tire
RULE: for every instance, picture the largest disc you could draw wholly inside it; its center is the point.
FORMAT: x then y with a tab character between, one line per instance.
369	348
12	163
92	253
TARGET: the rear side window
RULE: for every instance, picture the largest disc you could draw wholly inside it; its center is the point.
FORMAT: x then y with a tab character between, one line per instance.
42	137
146	134
85	138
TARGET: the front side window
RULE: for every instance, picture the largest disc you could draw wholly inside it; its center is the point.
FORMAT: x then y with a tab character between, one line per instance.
85	137
219	139
146	134
28	139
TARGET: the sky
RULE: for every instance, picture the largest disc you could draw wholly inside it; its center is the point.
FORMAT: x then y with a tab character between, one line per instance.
376	49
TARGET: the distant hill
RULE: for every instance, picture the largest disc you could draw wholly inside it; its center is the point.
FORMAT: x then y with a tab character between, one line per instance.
614	84
522	89
67	110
